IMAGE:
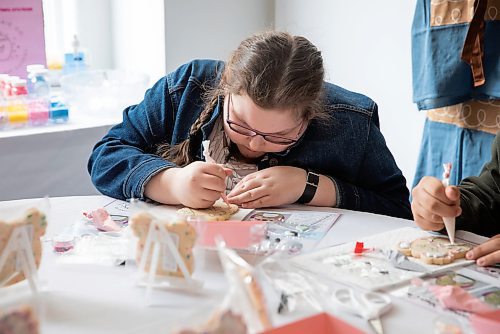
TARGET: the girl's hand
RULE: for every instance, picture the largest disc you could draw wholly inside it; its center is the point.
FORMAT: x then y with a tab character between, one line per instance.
486	254
273	186
199	184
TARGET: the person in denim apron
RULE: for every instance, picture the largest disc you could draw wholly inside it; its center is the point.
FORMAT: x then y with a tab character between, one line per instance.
456	80
278	135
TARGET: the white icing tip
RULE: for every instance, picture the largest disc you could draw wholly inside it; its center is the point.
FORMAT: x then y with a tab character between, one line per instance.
404	244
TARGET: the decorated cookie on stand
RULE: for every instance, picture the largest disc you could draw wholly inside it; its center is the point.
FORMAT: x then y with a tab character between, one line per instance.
35	224
183	236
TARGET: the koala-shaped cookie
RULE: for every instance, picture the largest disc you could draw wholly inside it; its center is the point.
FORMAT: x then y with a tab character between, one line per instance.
37	224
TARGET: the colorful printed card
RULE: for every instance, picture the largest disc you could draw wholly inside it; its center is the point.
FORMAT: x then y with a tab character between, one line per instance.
22	39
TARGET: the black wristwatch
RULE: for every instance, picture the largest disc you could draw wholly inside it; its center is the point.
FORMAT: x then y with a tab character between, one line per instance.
311	187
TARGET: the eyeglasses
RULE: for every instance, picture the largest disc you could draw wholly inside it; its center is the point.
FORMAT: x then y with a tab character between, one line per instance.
246	131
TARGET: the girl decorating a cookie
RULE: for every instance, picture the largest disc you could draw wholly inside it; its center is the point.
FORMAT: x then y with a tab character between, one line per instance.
279	134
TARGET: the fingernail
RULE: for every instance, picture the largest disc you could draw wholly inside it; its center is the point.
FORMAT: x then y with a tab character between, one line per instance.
481	262
469	255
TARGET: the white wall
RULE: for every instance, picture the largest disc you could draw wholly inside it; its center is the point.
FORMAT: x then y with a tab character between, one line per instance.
89	20
139	36
366	48
211	29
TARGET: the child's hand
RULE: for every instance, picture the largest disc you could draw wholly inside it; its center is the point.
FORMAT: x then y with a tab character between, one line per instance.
269	187
200	184
486	254
432	201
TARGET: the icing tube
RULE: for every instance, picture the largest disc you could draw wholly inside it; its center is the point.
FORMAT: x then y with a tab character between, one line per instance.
208	158
449	222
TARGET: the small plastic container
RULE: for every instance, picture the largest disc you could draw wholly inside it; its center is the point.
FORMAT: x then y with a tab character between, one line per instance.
59	111
63	243
38	94
17	104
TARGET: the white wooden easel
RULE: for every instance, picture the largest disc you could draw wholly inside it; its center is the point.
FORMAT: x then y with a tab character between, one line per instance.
20	245
158	235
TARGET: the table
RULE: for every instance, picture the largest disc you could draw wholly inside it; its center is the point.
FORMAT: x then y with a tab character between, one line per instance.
103	299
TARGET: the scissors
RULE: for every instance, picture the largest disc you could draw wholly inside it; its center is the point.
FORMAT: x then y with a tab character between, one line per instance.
368	305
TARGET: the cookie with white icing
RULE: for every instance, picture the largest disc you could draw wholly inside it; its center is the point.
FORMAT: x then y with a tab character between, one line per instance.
435	250
404	248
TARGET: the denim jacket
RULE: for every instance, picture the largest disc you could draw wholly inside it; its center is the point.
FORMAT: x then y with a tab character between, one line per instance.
350	149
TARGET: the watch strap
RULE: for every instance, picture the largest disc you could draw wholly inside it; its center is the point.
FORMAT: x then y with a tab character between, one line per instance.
312	183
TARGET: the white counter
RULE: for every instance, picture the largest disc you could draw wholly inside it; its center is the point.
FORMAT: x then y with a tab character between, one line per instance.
50	160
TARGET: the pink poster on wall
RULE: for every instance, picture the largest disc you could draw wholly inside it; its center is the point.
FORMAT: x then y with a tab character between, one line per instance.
21	35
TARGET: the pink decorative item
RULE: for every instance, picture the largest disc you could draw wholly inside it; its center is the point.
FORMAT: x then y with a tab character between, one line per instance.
102	220
236	234
456	298
488	322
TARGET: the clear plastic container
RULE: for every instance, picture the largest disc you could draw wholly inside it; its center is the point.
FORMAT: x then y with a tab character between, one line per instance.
37	84
38	94
103	93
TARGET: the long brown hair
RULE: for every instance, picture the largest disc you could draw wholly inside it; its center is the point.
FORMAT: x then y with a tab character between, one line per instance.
276	70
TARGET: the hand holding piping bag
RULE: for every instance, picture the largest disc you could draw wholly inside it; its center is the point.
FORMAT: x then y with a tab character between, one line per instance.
449	222
209	159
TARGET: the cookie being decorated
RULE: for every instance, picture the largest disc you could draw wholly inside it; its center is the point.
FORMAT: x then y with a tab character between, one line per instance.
434	250
404	248
218	212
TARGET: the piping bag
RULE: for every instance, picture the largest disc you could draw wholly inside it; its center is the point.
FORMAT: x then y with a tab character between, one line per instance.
209	159
449	222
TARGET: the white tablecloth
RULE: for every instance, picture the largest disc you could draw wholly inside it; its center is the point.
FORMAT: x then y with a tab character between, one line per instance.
103	299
